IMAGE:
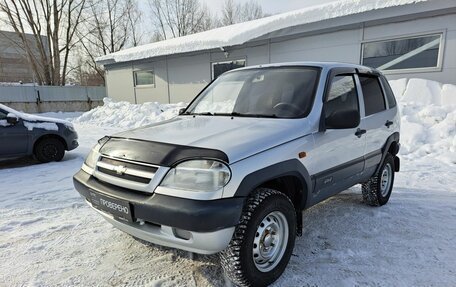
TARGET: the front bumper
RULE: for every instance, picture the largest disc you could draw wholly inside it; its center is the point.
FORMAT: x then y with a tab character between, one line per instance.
198	242
208	225
74	144
71	139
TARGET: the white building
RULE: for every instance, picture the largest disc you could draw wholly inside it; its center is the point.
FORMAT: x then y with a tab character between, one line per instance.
404	38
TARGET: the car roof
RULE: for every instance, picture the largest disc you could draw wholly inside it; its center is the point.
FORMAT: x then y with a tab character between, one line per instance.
327	65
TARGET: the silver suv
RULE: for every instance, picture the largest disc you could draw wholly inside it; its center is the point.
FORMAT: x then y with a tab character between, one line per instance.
235	170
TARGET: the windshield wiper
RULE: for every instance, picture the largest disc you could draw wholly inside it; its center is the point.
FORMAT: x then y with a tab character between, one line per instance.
236	114
200	114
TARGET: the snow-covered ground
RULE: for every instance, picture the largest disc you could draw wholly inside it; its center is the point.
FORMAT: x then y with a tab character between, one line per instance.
49	237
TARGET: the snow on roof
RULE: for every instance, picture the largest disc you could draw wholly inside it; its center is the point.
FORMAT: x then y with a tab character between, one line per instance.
241	33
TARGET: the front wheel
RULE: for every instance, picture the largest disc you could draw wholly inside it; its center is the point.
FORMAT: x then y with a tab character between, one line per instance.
263	240
49	149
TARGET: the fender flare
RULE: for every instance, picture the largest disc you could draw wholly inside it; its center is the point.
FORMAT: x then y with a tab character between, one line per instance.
392	138
292	167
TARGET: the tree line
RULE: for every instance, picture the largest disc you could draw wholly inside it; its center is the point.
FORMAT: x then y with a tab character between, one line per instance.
68	35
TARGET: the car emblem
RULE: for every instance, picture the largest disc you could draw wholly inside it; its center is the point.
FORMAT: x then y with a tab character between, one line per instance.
120	169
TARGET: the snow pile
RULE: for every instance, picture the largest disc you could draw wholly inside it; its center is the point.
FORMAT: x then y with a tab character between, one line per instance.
241	33
125	115
428	122
45	126
34	119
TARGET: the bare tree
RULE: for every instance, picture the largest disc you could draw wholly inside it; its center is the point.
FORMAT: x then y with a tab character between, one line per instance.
53	25
175	18
251	10
135	17
233	12
230	13
111	25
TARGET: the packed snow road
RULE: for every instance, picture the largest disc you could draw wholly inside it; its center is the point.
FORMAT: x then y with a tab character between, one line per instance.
49	236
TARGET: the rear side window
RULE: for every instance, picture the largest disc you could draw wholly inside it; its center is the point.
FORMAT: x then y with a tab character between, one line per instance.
389	93
374	101
2	115
342	95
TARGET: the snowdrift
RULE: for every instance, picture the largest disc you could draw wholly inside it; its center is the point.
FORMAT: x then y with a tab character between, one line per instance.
428	116
126	115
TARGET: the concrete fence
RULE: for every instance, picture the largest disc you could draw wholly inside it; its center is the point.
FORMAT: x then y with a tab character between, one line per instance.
40	99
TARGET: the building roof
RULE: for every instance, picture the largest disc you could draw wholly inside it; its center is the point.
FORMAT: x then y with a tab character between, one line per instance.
241	33
321	64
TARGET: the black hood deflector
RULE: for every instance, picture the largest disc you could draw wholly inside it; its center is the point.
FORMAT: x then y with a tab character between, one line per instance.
157	153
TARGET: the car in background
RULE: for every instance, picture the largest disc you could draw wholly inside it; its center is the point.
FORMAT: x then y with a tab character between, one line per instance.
45	138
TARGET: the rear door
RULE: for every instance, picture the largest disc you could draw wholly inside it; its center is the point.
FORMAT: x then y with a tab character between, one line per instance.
14	139
339	152
378	120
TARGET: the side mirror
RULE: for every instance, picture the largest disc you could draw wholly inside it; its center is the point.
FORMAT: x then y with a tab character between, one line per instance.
343	120
181	111
12	119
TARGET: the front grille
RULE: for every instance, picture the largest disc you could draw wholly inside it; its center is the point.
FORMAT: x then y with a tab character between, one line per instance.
124	176
126	170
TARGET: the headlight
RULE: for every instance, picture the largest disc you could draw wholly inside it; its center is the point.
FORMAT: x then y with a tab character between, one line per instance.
71	128
198	175
92	158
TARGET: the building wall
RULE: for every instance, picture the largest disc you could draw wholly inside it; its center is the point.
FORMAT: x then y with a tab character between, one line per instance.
14	65
158	92
342	46
188	74
445	24
119	83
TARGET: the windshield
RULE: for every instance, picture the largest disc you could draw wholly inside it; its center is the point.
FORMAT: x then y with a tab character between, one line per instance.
282	92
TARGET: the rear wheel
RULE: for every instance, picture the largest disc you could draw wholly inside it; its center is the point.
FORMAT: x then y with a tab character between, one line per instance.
263	240
49	149
377	190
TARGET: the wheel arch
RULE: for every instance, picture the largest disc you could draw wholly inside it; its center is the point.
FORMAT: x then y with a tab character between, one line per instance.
48	136
391	146
289	177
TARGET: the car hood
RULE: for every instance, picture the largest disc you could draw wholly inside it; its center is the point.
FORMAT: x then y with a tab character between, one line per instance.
237	137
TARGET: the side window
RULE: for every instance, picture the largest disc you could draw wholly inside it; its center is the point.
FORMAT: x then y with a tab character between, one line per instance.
389	93
3	115
374	100
144	78
342	95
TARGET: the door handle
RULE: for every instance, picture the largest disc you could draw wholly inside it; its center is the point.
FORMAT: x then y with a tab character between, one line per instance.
360	132
388	123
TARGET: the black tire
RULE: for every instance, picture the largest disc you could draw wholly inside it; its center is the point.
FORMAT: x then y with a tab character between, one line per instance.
375	193
238	259
49	149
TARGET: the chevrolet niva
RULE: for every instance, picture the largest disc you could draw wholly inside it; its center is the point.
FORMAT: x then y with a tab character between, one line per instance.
233	172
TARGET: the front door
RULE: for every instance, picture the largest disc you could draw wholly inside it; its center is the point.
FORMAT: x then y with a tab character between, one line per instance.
340	152
13	137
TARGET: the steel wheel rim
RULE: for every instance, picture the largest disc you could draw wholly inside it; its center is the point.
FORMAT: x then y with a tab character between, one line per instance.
385	179
270	242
